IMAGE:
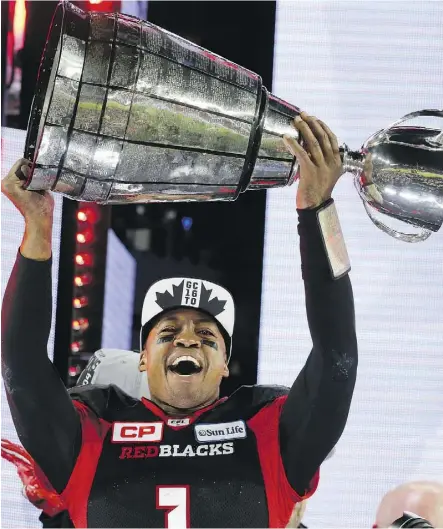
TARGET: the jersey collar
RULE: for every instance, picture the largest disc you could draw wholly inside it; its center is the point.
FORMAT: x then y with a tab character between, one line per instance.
192	417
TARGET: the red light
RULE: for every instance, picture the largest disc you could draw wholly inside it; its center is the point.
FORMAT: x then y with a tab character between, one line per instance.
76	347
81	281
84	259
105	6
73	371
87	215
85	237
80	325
80	302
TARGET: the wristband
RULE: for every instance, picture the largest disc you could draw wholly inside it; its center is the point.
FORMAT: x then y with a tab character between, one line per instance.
333	241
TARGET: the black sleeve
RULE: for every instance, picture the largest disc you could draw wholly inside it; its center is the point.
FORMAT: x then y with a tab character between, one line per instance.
45	419
315	413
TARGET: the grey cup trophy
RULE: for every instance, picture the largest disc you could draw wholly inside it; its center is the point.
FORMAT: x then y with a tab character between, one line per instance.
126	112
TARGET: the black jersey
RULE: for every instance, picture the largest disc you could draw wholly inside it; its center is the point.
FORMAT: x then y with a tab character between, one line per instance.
219	467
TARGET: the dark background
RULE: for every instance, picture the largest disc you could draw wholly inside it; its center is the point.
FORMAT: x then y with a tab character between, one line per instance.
225	242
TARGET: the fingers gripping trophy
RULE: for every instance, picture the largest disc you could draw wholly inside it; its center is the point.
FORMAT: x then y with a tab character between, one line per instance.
126	112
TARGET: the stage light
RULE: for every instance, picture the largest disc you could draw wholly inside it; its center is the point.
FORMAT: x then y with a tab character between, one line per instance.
80	325
85	237
104	6
87	215
76	347
82	280
92	223
74	370
19	23
187	223
84	259
80	302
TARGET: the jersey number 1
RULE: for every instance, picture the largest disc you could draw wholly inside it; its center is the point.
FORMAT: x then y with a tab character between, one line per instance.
175	500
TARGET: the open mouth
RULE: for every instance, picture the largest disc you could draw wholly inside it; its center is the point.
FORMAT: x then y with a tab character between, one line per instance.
185	366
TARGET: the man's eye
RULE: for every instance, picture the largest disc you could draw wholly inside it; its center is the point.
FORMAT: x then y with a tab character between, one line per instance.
206	332
168	329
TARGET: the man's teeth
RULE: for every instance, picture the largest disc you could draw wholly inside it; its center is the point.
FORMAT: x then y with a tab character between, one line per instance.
185	359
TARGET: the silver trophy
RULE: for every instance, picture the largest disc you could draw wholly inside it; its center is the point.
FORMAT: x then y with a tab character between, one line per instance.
126	112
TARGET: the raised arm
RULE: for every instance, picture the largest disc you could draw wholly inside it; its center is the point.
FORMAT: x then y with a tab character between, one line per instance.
315	412
46	421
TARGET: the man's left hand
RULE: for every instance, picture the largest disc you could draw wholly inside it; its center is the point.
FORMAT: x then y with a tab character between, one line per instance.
320	162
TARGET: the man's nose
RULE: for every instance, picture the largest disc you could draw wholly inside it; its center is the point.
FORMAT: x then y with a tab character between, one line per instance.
187	339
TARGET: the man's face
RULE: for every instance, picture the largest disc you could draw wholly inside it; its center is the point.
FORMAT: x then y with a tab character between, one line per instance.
185	359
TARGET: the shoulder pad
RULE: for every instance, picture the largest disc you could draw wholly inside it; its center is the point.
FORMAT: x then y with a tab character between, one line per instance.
101	398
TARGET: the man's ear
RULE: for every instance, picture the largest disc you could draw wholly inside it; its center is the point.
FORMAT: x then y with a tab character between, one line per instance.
226	371
142	364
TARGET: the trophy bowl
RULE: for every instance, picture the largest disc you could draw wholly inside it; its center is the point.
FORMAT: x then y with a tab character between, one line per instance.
399	176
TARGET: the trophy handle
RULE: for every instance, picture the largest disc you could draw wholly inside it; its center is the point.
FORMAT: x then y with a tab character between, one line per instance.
406	237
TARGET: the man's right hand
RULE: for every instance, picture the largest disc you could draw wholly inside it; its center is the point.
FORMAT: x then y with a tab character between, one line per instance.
37	208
